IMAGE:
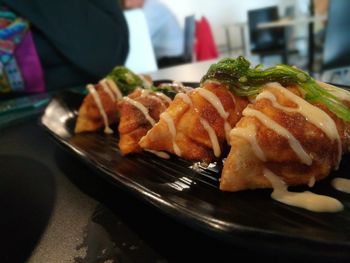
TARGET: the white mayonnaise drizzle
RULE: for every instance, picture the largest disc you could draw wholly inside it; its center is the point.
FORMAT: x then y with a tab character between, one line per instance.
163	96
249	133
211	132
148	94
185	98
160	154
271	124
113	86
146	83
311	113
341	184
144	92
99	105
171	126
142	108
233	98
340	93
215	101
311	181
307	200
213	138
107	90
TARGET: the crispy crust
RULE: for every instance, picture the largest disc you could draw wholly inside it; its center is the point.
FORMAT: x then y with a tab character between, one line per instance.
191	137
89	116
133	124
243	170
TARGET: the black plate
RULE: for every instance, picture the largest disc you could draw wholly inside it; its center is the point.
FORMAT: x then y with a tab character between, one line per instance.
247	218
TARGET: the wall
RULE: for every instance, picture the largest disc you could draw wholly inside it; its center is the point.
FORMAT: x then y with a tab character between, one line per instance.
223	12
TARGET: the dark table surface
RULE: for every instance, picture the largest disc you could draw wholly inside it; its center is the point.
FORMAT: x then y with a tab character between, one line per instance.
56	209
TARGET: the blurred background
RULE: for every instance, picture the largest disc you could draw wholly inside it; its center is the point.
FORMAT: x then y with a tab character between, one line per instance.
310	34
51	45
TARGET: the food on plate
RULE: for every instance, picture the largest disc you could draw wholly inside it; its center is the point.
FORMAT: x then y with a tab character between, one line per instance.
294	132
283	133
99	108
197	123
271	127
139	111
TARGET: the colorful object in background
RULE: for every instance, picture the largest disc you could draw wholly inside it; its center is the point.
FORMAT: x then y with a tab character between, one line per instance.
20	68
205	46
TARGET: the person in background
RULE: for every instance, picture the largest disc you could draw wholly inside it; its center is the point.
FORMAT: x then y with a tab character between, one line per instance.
70	42
167	36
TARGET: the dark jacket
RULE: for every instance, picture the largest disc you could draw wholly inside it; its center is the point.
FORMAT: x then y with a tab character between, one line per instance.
78	41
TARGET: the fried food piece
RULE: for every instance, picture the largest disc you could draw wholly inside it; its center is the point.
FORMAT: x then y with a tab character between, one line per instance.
99	108
197	123
284	134
139	111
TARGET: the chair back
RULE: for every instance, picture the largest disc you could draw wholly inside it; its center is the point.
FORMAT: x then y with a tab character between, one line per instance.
189	31
336	50
263	39
205	47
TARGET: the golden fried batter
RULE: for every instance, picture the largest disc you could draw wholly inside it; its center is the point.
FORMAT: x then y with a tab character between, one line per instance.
90	115
139	111
193	127
295	140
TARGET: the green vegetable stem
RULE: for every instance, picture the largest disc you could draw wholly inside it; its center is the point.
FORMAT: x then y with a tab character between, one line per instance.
244	80
126	80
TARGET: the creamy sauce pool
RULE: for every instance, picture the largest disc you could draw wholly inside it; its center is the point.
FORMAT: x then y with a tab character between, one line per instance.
307	200
341	184
160	154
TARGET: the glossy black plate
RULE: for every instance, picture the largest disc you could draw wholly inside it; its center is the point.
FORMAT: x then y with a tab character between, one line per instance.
247	218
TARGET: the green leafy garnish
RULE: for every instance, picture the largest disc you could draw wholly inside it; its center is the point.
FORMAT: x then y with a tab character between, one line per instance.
126	80
166	90
243	80
170	88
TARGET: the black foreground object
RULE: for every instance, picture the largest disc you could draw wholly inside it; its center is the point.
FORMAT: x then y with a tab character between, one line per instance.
27	194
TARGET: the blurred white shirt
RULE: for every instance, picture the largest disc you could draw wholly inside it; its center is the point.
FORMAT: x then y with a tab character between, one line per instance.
166	33
140	44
